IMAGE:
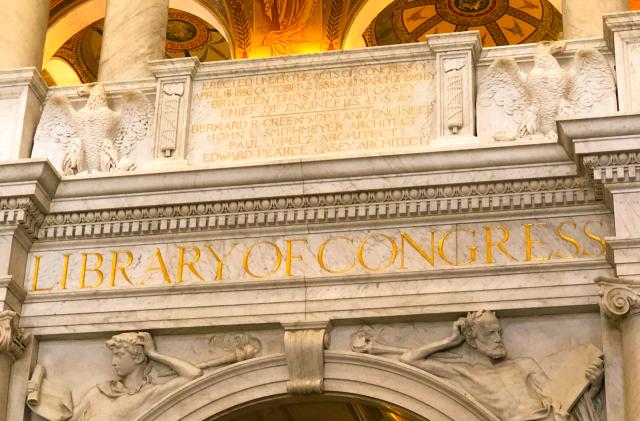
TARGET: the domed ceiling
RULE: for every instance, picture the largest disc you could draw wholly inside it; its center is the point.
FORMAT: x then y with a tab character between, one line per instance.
263	28
500	22
187	36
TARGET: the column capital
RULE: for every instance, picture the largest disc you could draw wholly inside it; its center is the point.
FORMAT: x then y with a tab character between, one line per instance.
13	340
620	297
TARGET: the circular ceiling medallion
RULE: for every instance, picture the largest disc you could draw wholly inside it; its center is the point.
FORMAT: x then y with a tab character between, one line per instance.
185	32
471	12
499	22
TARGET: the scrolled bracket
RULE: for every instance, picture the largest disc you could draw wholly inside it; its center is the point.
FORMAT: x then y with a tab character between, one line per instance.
620	297
13	340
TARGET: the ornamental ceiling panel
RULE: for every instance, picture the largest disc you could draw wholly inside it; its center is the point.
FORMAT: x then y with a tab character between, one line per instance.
187	36
500	22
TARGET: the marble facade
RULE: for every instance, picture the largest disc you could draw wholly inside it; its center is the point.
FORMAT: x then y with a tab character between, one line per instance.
249	256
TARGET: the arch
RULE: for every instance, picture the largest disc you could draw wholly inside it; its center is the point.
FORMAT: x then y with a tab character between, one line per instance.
346	374
92	11
362	18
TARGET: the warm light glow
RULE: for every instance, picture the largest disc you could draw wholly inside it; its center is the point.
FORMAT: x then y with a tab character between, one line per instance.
62	72
73	22
634	4
366	14
93	10
196	9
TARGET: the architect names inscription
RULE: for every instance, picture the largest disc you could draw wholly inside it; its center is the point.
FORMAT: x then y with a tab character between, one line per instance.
313	113
316	256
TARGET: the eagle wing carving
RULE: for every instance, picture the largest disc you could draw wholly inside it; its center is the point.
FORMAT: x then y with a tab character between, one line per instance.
56	125
55	122
136	116
593	85
503	95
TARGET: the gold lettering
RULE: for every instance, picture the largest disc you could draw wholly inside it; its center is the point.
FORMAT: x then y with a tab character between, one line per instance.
594	237
321	261
441	247
290	256
499	244
190	265
115	268
161	267
96	269
65	271
563	236
392	258
406	237
36	271
219	261
473	250
530	242
247	255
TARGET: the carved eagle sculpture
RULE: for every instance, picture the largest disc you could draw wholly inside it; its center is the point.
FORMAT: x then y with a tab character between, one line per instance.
95	138
519	105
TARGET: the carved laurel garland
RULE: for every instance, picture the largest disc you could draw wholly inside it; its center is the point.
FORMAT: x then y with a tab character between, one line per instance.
325	208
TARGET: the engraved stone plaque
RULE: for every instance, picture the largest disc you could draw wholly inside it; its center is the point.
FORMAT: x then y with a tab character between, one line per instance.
324	106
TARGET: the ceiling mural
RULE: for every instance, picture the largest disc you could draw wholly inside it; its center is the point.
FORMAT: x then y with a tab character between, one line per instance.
187	36
264	28
500	22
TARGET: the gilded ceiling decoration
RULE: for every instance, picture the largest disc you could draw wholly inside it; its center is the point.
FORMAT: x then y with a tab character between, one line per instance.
276	27
187	36
500	22
264	28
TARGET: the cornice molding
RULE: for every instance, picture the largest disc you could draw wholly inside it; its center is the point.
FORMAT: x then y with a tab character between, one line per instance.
388	204
614	167
21	212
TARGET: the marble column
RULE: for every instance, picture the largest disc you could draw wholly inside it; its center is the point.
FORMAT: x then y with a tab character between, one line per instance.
24	28
134	33
621	302
583	19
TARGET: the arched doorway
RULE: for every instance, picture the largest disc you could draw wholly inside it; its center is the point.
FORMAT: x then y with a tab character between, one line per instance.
232	391
319	408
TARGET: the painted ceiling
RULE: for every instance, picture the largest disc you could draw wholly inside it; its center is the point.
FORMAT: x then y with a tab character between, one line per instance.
500	22
265	28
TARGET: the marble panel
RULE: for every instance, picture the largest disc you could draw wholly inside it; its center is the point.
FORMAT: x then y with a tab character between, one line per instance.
317	255
335	106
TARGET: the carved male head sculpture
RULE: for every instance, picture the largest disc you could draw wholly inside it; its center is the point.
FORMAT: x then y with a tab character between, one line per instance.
128	353
483	332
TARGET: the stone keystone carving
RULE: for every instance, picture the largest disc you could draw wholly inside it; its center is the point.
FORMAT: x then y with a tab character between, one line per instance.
13	340
95	138
304	346
514	105
474	358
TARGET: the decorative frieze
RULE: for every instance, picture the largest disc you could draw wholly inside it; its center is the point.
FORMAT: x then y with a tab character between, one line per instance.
21	211
317	209
614	167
